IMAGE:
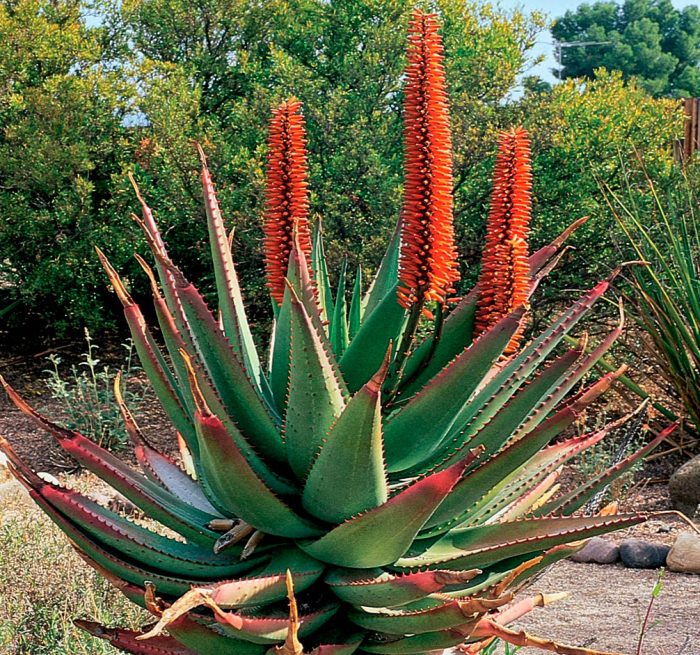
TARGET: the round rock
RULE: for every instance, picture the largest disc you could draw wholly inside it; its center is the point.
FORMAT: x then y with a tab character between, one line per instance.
684	556
640	554
684	487
597	551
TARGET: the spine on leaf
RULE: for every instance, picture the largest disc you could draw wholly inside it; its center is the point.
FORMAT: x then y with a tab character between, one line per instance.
504	281
286	202
428	265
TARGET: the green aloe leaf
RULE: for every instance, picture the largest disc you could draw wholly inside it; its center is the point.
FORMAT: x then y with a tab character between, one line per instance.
205	639
388	590
318	264
268	585
496	471
387	275
205	395
356	307
127	642
339	322
148	496
151	358
366	351
104	560
348	475
446	615
568	503
383	534
316	397
238	394
233	314
263	629
416	430
234	484
492	397
482	545
418	644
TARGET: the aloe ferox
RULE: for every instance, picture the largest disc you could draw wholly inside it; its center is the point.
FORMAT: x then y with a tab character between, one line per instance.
388	480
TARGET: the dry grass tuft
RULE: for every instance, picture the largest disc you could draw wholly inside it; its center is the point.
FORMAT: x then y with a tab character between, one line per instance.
44	586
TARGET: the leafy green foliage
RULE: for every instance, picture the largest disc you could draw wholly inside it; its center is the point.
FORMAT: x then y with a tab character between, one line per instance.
86	395
62	109
345	61
647	39
584	133
661	226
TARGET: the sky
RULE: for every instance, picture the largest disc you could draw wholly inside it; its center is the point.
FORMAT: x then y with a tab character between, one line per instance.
556	8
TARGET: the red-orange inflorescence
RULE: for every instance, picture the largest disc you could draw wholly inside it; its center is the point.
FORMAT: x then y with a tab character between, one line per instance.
428	264
286	200
504	281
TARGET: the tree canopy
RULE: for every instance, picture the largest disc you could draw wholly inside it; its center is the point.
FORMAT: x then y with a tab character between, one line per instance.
647	39
84	102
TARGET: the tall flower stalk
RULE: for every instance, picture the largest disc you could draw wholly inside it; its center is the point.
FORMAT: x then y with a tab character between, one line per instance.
286	199
428	263
504	281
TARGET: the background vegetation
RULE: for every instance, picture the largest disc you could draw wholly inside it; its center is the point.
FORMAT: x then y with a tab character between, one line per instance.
91	91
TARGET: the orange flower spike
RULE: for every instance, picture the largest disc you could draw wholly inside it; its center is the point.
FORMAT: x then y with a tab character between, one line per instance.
428	263
286	194
504	281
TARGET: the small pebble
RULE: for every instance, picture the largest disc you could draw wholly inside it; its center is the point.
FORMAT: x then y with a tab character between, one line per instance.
640	554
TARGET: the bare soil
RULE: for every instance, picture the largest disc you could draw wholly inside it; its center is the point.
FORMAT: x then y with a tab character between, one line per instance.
607	606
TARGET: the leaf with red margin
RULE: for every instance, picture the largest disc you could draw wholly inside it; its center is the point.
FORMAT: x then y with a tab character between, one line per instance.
348	475
113	531
315	395
457	331
415	431
126	640
238	394
152	360
103	560
482	545
419	644
156	502
573	500
161	469
444	615
500	388
233	482
383	534
388	590
233	314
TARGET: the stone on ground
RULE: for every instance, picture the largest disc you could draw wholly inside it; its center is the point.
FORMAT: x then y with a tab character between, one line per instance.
597	551
684	556
684	487
640	554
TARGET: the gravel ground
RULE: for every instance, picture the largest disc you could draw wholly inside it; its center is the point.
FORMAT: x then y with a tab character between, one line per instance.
607	606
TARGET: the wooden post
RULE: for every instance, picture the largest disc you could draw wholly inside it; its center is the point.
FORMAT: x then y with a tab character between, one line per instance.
691	133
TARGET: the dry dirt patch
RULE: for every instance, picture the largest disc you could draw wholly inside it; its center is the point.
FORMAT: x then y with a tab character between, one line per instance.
607	606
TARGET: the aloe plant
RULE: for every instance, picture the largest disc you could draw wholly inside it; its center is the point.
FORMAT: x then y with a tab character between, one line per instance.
367	488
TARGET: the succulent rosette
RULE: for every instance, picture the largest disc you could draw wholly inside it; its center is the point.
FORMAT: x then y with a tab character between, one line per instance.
388	479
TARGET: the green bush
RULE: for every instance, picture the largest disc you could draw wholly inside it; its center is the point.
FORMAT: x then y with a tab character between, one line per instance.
84	105
582	134
62	108
85	393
